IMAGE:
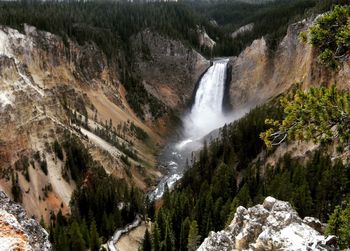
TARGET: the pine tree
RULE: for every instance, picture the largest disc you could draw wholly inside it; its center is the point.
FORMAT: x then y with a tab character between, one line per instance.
339	224
168	244
155	237
77	242
185	228
319	114
85	232
193	237
147	242
94	238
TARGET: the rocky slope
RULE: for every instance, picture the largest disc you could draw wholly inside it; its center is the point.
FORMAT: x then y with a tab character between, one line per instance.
169	70
274	225
48	85
17	230
258	74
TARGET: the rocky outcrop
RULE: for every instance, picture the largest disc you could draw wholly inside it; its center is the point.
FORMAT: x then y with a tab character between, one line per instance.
274	225
243	29
169	69
258	74
205	40
18	231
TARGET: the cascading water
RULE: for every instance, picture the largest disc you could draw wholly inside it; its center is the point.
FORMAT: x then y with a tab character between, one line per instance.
206	115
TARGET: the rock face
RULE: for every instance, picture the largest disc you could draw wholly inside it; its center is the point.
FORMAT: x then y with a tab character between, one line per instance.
274	225
41	75
169	70
205	40
245	28
258	74
17	230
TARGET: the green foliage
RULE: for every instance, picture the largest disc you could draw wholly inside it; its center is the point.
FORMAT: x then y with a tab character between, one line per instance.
193	237
78	159
339	225
270	19
331	36
320	114
228	174
100	204
155	237
94	238
77	241
111	135
108	24
139	132
138	97
22	164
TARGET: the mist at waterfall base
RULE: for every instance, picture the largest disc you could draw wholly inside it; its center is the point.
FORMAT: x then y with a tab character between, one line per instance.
205	116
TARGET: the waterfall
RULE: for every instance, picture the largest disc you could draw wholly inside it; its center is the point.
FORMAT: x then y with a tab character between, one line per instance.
205	116
206	113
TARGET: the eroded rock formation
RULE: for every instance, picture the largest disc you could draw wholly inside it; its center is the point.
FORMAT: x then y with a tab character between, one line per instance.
274	225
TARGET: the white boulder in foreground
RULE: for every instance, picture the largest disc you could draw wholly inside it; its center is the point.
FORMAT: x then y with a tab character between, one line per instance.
274	225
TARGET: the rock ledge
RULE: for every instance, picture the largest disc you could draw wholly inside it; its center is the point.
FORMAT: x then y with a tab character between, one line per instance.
274	225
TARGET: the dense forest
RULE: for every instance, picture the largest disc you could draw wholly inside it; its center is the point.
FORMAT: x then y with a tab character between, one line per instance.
100	204
207	197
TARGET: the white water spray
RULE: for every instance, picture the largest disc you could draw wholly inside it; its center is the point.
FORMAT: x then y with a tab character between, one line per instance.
206	113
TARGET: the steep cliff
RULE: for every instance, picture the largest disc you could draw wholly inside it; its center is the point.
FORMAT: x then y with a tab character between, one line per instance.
169	70
258	74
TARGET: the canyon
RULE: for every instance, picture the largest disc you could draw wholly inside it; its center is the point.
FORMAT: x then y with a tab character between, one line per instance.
49	86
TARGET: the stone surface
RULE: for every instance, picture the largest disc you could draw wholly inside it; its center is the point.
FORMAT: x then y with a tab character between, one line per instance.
168	68
17	230
258	73
274	225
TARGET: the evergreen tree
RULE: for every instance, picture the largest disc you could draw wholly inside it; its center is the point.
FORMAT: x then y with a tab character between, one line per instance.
319	114
94	238
339	224
77	242
193	237
85	232
155	237
185	228
147	242
168	243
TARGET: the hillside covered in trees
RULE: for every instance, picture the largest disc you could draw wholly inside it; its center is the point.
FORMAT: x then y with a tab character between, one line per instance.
111	24
208	195
236	168
231	170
